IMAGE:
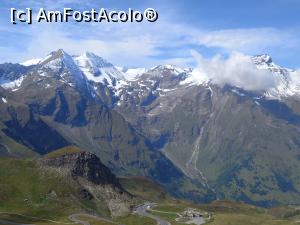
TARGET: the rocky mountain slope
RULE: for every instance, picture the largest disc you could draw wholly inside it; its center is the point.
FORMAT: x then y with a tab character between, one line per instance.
56	105
197	138
241	144
94	180
64	182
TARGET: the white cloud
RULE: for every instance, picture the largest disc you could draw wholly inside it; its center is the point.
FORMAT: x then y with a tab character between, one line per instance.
237	70
128	50
251	39
139	44
144	44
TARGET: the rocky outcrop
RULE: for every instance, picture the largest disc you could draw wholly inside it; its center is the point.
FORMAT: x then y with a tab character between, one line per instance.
86	165
95	181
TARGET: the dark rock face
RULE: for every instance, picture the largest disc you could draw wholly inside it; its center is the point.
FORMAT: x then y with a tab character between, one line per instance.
94	181
86	194
86	165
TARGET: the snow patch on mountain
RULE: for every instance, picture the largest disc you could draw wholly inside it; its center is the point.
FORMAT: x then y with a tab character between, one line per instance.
4	100
58	60
169	68
13	85
195	78
31	62
238	92
45	59
97	69
132	74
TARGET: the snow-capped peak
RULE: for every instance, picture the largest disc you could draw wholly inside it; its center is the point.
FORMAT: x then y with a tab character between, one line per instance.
59	59
93	68
59	55
262	59
97	69
282	81
285	85
169	68
265	62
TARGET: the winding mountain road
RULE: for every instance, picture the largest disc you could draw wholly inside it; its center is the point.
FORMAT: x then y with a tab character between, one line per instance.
142	211
73	218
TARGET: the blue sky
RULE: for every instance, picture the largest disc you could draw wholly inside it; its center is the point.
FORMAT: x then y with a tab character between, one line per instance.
209	27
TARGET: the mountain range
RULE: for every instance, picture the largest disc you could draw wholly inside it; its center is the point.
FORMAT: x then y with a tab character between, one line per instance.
198	138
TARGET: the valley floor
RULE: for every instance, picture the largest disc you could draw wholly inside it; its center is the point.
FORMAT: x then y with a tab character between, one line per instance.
220	213
29	195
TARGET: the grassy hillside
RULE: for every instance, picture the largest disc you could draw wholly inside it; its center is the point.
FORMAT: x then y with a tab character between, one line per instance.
28	190
229	213
30	194
63	151
145	189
